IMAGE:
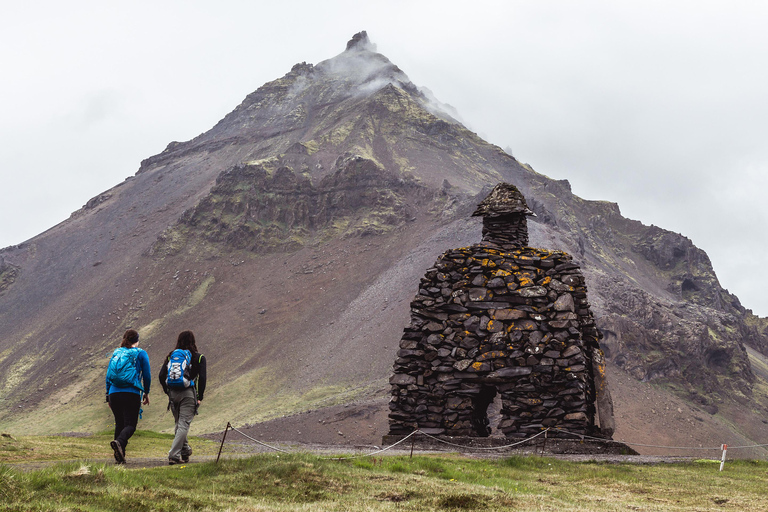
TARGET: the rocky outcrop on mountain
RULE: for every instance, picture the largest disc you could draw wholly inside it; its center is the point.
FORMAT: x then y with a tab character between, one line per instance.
268	207
697	349
688	268
8	274
756	332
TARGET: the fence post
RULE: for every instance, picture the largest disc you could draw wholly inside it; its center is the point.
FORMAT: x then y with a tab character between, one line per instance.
725	449
222	442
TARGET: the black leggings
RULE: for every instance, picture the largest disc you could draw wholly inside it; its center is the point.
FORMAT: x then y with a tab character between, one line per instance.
125	407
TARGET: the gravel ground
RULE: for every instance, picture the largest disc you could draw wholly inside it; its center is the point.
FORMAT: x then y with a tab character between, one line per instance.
239	449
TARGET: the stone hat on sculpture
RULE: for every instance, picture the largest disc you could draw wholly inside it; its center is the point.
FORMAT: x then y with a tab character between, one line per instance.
505	213
504	199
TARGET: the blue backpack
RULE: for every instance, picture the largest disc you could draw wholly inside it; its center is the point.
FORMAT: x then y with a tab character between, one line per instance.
123	371
179	366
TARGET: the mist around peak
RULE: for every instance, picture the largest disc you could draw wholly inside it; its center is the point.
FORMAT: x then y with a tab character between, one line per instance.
438	108
361	65
356	74
360	41
367	71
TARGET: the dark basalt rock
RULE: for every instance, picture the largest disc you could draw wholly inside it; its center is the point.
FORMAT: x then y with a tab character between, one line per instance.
505	199
8	274
501	318
359	41
264	210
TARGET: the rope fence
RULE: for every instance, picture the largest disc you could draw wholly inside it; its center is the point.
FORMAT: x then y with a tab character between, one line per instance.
722	447
543	432
718	448
379	451
578	437
409	436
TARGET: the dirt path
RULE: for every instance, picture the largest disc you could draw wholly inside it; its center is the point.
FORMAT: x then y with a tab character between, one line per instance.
242	450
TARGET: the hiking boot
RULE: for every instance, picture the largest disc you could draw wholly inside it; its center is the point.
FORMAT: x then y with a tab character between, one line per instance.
185	456
119	452
172	462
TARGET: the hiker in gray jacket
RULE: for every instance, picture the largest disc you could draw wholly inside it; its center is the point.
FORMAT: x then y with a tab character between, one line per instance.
183	377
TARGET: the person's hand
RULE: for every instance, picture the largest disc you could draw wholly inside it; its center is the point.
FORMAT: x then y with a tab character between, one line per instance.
146	400
198	402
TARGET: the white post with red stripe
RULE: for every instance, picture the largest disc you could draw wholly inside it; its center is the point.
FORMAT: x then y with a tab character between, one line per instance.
725	449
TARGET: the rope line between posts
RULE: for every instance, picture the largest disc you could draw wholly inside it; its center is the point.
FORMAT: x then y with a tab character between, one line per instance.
483	447
376	452
259	442
397	443
747	446
518	443
718	448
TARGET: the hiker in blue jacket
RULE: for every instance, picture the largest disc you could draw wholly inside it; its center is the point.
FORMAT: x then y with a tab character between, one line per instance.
183	377
128	378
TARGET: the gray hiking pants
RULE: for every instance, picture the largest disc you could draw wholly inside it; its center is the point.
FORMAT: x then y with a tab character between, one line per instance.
183	406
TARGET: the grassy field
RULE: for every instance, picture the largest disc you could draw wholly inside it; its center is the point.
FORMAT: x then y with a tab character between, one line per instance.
144	444
281	482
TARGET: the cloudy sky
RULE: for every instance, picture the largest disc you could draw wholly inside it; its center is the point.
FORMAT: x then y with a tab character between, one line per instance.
660	106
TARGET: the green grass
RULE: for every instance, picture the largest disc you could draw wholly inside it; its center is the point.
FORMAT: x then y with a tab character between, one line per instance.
281	482
144	443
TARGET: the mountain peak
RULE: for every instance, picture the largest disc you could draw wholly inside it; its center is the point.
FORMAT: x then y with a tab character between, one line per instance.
360	41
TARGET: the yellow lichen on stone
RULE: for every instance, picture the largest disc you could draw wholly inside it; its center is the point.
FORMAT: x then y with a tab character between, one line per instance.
494	354
502	273
525	281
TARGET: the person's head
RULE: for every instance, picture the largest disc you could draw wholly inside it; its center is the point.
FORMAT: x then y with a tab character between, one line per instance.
130	338
186	341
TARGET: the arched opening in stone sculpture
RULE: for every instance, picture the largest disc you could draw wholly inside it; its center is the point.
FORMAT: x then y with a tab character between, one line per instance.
480	403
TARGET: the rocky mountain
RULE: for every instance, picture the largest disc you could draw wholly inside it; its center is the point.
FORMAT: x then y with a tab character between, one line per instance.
290	238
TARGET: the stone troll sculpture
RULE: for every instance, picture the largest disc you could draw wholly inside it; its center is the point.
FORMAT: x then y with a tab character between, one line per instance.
500	317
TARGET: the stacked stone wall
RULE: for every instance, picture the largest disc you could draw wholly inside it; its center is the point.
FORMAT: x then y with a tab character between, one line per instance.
488	321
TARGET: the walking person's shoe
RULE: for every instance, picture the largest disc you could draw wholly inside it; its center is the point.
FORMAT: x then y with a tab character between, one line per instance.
119	453
172	462
185	456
